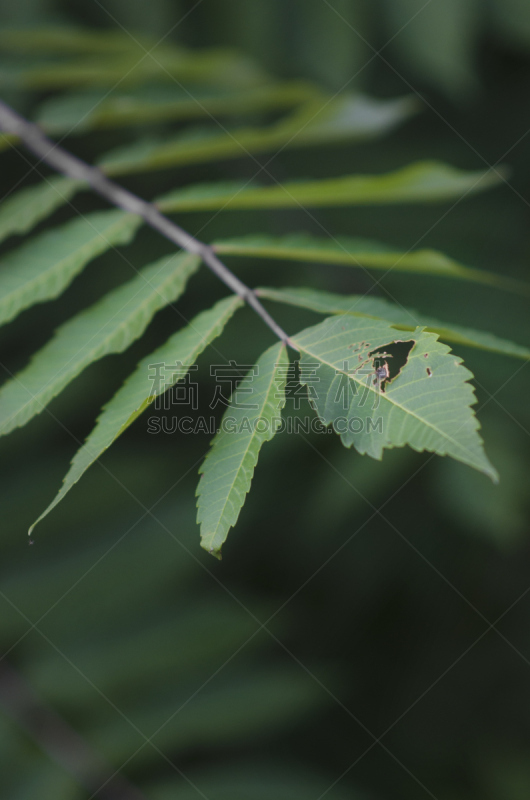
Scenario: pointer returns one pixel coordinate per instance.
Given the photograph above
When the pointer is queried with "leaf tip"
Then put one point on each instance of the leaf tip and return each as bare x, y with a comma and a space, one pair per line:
213, 551
494, 475
488, 469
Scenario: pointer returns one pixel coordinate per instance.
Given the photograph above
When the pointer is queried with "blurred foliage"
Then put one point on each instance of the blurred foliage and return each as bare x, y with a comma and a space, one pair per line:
384, 579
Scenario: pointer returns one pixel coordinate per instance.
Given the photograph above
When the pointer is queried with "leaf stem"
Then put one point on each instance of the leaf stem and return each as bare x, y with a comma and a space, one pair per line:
67, 164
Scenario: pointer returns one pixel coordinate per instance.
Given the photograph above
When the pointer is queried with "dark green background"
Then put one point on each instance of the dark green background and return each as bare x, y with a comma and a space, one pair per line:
385, 579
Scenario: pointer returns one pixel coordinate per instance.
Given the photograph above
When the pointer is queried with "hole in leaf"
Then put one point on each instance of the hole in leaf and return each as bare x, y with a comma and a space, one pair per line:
397, 354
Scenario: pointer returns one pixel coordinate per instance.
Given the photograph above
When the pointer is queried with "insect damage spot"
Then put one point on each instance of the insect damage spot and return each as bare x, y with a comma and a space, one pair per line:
429, 372
391, 358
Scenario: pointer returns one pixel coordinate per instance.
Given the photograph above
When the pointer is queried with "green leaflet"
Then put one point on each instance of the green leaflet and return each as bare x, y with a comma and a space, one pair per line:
427, 405
345, 117
405, 319
89, 110
109, 326
63, 39
110, 66
140, 389
362, 253
44, 266
20, 212
426, 181
228, 468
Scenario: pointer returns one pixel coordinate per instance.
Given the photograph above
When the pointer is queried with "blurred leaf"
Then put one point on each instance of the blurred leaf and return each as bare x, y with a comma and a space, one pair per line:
158, 21
231, 710
427, 405
228, 469
20, 212
133, 65
500, 513
45, 779
99, 70
404, 319
94, 561
109, 326
7, 140
168, 649
43, 267
259, 781
511, 18
81, 112
329, 40
331, 502
360, 253
504, 773
346, 117
141, 389
58, 40
427, 181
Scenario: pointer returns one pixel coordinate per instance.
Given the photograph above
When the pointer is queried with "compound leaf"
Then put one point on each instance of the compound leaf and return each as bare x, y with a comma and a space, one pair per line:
405, 319
109, 326
140, 389
228, 468
427, 405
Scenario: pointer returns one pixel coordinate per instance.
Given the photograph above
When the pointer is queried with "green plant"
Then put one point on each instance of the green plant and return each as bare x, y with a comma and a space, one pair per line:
385, 377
